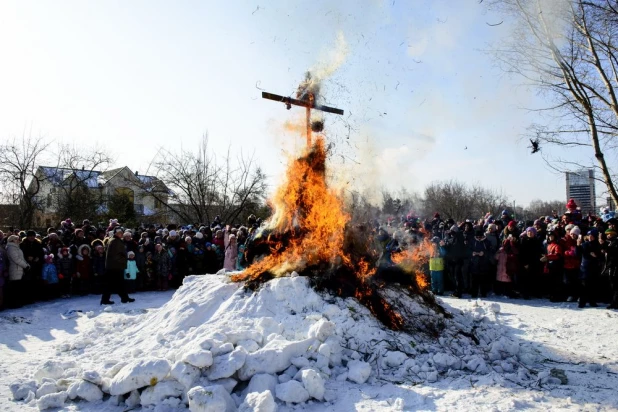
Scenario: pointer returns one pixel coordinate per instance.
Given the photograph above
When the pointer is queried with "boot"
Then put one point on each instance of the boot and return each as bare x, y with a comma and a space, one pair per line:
128, 300
107, 302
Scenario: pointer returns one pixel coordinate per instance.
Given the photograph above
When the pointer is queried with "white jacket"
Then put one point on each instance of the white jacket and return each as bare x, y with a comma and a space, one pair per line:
17, 263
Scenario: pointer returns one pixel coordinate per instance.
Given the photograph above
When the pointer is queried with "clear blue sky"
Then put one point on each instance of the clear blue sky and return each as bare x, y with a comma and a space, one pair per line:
138, 75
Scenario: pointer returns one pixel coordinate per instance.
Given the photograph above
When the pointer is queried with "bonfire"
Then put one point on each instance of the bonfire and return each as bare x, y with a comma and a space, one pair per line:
311, 234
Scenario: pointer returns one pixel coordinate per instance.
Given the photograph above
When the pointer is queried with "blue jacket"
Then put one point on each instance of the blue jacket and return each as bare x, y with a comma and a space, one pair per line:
50, 274
590, 265
131, 271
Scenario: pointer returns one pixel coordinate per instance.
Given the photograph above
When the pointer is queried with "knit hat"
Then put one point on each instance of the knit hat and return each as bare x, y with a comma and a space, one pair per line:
49, 258
173, 233
188, 239
575, 231
30, 233
454, 228
571, 204
531, 229
512, 224
435, 239
594, 232
611, 232
131, 254
492, 227
569, 227
199, 235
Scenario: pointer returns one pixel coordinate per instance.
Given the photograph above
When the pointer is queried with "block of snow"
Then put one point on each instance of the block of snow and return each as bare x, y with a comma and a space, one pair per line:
477, 364
46, 389
53, 400
249, 344
85, 390
262, 382
114, 368
236, 336
226, 365
291, 391
395, 358
92, 376
322, 329
228, 383
20, 389
301, 362
283, 378
133, 400
139, 373
185, 373
495, 308
358, 371
274, 357
153, 395
50, 369
313, 382
258, 402
198, 358
212, 398
445, 361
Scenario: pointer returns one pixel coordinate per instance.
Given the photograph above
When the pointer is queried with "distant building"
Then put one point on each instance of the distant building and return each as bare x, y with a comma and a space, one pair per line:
50, 183
580, 185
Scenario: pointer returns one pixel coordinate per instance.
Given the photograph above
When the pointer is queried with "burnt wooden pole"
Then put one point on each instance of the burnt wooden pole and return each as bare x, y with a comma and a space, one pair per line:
308, 104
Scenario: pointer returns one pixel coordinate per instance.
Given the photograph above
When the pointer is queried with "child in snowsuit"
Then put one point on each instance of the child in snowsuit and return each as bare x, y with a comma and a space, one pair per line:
436, 266
130, 273
64, 265
50, 278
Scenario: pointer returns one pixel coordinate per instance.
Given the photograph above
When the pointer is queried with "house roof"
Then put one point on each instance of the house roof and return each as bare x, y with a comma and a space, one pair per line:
95, 178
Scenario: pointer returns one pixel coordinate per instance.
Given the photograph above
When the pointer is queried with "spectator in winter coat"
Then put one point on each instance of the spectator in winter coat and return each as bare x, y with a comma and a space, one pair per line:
52, 243
231, 251
130, 273
530, 253
589, 269
507, 258
115, 264
610, 248
98, 269
436, 266
162, 269
510, 229
129, 244
481, 250
456, 252
66, 269
572, 263
34, 255
554, 267
140, 261
15, 290
82, 279
50, 278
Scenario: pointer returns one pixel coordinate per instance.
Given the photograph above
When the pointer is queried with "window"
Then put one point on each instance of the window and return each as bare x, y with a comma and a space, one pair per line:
125, 191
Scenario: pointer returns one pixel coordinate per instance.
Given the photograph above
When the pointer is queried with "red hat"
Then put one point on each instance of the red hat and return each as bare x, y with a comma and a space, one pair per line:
571, 204
436, 214
512, 223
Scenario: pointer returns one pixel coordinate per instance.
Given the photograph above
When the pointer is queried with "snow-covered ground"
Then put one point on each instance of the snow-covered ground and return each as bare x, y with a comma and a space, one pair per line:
212, 334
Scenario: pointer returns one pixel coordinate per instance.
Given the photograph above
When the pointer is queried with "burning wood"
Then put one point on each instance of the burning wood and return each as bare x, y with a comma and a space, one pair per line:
310, 233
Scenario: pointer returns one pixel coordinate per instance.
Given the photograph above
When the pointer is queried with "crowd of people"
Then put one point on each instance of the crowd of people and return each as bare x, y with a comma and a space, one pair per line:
563, 257
84, 259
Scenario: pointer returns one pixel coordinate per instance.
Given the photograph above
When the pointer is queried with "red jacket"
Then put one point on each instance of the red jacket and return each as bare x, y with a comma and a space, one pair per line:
554, 252
572, 260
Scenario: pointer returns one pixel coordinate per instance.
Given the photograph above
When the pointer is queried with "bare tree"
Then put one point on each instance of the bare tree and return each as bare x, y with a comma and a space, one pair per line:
453, 199
18, 162
205, 186
568, 49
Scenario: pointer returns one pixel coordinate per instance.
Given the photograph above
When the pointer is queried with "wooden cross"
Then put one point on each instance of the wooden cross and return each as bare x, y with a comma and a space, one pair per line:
308, 104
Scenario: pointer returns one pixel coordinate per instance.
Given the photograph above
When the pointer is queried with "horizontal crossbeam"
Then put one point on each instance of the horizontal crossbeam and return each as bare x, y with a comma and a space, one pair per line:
302, 103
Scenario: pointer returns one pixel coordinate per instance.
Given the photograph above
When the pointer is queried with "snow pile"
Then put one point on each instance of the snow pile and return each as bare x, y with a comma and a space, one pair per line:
216, 347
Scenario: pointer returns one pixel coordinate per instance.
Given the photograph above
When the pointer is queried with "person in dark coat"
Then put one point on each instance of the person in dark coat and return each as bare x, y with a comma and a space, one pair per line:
115, 264
455, 253
589, 269
34, 254
98, 269
530, 253
610, 248
479, 263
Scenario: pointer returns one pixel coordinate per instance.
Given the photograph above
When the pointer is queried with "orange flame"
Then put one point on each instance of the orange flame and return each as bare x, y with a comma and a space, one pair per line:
414, 261
311, 213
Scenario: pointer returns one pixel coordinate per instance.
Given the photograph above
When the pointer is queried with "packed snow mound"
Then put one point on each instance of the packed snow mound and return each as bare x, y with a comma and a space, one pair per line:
216, 346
